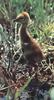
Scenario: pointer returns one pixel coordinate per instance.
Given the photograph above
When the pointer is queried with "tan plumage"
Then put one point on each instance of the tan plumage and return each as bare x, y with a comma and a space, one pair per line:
31, 48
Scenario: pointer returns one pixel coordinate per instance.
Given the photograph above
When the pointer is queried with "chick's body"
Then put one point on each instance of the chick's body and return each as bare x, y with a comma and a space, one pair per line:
31, 49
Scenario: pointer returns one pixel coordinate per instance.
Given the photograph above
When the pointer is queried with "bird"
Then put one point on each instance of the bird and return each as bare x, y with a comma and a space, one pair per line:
30, 47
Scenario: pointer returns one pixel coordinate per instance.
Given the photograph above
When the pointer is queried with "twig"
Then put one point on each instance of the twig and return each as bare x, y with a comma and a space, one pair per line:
11, 85
17, 82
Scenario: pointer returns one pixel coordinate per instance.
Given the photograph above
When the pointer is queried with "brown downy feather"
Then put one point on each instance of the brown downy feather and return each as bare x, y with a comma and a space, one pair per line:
31, 48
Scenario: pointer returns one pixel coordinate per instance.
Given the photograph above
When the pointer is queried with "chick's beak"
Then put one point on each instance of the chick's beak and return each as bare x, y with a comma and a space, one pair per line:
14, 20
18, 18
